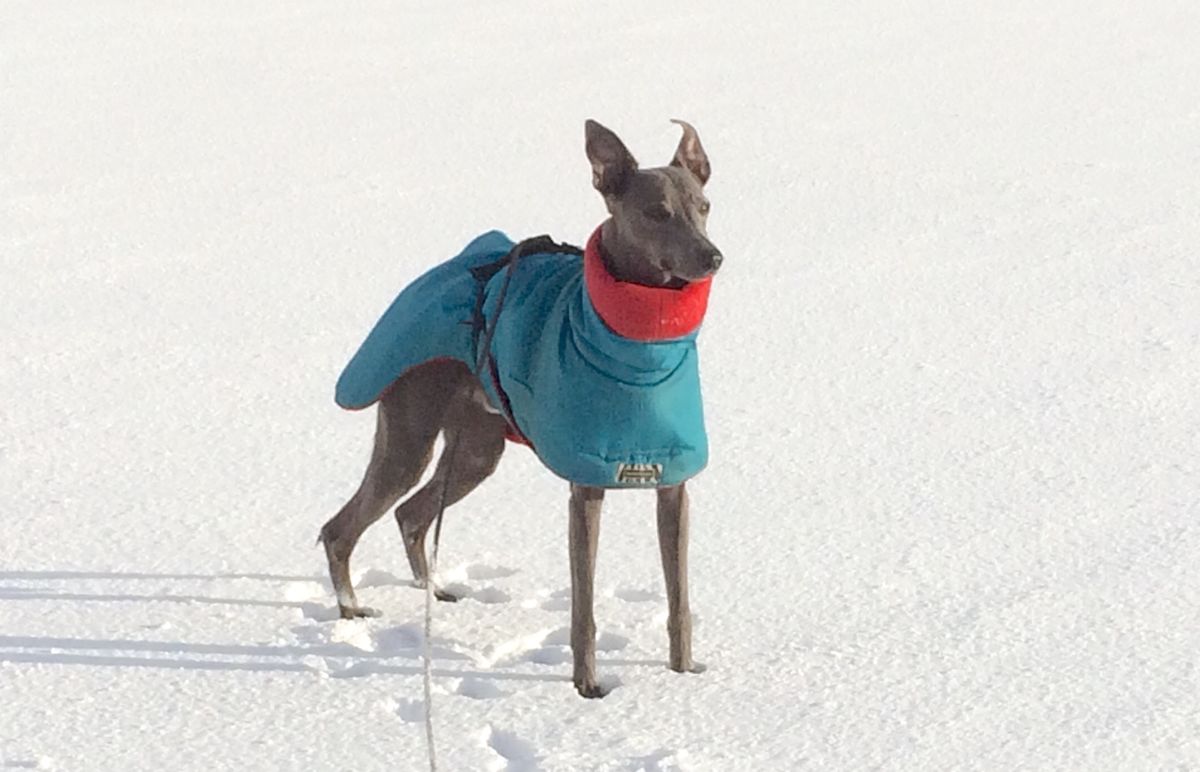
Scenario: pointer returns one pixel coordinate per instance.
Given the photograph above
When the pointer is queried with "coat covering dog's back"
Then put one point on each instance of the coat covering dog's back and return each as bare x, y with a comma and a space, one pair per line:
598, 408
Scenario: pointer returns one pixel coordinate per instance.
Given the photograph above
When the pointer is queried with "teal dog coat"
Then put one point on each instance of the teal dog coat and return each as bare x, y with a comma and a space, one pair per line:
600, 377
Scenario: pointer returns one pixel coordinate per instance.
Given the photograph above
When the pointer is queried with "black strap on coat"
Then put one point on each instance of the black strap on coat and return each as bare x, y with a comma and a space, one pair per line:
482, 333
484, 273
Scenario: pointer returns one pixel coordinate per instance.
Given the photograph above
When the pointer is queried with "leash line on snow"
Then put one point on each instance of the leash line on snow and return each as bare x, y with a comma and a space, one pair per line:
428, 656
483, 353
427, 653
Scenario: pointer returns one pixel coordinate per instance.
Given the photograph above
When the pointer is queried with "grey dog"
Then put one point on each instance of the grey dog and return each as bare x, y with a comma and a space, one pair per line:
655, 236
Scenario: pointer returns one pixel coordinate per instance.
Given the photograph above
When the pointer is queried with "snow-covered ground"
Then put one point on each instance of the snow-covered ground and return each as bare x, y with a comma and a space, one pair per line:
952, 519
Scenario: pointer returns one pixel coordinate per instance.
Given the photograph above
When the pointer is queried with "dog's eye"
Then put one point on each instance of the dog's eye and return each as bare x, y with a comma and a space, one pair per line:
704, 206
658, 212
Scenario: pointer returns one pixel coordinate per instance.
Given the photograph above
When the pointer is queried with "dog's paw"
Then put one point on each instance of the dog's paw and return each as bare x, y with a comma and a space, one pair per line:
358, 612
590, 689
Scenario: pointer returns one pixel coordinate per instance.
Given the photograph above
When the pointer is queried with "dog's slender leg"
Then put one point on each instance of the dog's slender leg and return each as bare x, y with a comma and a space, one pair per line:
387, 478
673, 543
409, 416
478, 436
583, 536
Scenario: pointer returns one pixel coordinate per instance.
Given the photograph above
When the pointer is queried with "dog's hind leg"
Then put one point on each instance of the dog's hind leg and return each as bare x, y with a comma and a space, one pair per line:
474, 442
409, 417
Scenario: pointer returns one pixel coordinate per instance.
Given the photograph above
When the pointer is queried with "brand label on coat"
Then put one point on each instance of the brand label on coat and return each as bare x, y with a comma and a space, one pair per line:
639, 474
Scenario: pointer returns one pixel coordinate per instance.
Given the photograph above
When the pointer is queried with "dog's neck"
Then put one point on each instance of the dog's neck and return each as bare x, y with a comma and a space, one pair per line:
637, 311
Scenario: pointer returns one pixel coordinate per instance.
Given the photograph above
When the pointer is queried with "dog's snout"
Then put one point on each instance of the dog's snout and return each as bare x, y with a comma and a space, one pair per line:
715, 260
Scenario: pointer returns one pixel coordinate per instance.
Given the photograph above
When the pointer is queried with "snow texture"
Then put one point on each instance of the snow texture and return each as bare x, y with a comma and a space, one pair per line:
951, 368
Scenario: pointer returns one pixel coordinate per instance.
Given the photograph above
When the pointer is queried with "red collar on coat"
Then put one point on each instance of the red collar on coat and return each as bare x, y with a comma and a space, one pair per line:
639, 312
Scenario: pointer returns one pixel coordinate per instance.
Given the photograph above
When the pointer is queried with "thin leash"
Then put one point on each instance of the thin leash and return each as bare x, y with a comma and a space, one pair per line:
427, 654
536, 245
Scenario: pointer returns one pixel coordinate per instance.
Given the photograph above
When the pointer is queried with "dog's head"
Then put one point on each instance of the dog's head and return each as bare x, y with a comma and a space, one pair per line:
656, 235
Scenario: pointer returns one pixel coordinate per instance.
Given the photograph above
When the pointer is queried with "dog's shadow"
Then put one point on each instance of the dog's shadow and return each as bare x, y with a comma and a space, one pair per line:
334, 659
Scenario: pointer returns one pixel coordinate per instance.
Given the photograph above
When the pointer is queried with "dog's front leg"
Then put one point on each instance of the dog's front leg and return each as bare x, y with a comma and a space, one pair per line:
583, 536
673, 543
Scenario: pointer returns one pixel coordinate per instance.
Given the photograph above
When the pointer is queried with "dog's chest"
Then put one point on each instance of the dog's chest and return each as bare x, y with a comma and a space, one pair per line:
597, 408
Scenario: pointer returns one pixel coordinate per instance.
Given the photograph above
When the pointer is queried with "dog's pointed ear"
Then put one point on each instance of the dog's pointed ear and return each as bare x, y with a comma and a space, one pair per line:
690, 154
612, 163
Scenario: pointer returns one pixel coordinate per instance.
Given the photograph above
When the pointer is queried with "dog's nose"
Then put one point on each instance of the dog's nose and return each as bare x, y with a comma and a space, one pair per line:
715, 260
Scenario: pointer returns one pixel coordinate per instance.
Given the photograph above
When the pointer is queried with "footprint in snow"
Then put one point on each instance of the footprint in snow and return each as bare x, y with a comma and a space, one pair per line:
549, 655
478, 571
661, 760
319, 612
636, 595
479, 689
556, 604
401, 639
555, 648
605, 641
490, 595
559, 600
456, 582
408, 710
42, 762
376, 577
514, 753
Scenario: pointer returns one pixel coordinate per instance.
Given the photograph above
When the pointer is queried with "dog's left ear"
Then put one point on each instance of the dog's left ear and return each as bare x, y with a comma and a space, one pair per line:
690, 154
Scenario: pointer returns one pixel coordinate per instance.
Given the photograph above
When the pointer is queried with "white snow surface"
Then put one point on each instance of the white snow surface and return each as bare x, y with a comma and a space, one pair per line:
951, 367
